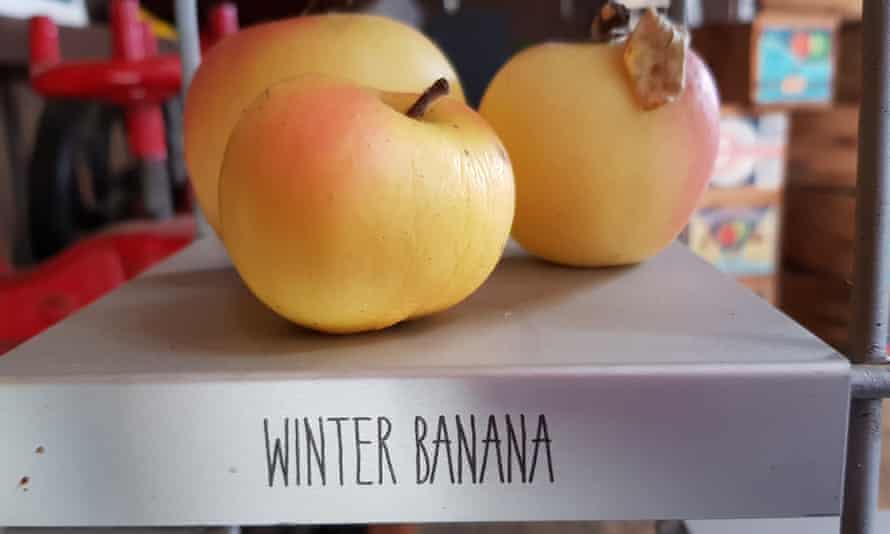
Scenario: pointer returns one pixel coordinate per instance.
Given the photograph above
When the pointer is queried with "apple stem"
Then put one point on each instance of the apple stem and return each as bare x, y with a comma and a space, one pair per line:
611, 24
439, 89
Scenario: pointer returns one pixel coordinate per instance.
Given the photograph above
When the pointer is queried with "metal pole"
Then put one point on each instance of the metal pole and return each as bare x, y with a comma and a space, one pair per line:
870, 381
190, 57
189, 45
871, 289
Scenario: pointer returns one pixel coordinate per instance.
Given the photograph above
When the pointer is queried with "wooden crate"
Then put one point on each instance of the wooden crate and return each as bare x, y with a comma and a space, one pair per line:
820, 197
726, 50
763, 286
819, 303
845, 8
819, 231
819, 221
848, 85
822, 149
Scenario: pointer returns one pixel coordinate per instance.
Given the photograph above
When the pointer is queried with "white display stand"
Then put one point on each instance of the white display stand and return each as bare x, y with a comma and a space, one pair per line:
656, 391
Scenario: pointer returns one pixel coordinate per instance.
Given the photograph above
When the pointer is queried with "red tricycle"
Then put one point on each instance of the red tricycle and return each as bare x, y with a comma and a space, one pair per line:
93, 227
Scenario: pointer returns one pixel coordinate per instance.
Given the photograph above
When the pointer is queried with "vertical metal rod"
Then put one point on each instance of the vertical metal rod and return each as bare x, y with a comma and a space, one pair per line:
871, 288
190, 57
189, 45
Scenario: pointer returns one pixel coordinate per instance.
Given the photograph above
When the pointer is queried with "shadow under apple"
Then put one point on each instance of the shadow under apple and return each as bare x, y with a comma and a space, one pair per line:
213, 318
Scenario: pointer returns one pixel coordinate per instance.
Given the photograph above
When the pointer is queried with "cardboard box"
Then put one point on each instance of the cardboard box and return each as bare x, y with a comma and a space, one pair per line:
782, 60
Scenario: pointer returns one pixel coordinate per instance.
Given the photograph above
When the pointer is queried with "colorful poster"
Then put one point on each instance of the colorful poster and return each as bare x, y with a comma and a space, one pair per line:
794, 65
738, 241
751, 151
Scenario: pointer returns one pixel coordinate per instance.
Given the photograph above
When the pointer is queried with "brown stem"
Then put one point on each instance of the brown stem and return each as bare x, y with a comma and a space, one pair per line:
611, 23
439, 89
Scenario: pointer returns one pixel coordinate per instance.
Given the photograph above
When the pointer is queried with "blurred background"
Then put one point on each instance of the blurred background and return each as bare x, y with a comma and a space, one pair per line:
77, 218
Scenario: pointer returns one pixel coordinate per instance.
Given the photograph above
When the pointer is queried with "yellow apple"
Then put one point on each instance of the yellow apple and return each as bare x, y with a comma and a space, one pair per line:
608, 169
371, 50
347, 209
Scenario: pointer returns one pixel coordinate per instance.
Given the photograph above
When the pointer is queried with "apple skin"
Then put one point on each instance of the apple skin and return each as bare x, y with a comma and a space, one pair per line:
599, 180
344, 215
371, 50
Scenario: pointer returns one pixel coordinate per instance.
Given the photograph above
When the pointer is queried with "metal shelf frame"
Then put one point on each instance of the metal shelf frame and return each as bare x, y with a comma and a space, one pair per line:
872, 285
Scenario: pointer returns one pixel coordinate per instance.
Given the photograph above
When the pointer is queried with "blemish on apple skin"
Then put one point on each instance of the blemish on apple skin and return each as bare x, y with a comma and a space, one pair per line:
24, 481
455, 126
39, 450
466, 152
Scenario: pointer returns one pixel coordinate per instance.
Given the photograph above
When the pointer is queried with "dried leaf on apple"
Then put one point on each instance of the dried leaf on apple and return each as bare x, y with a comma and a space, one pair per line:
655, 59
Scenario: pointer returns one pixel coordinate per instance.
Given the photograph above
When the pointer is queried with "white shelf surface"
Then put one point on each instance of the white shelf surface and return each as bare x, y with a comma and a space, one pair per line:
668, 391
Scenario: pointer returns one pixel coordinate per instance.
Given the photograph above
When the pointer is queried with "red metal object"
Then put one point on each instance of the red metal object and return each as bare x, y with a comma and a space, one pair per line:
125, 79
122, 82
43, 42
135, 77
223, 21
140, 79
127, 39
134, 74
131, 78
145, 132
34, 300
149, 41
